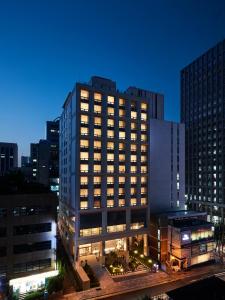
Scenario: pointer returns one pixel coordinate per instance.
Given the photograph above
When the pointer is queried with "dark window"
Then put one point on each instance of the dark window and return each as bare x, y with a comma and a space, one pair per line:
2, 251
24, 248
32, 228
32, 266
2, 231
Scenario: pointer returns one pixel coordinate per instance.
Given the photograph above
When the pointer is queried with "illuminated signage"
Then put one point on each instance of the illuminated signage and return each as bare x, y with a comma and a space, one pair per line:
185, 237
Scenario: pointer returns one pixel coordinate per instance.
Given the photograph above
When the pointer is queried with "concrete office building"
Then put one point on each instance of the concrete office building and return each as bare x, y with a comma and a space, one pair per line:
27, 237
202, 111
104, 167
52, 136
25, 161
167, 170
39, 158
8, 157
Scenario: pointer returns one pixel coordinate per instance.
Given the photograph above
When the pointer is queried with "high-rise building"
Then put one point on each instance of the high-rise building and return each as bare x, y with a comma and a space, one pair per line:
202, 111
25, 161
52, 136
167, 166
39, 158
105, 141
8, 157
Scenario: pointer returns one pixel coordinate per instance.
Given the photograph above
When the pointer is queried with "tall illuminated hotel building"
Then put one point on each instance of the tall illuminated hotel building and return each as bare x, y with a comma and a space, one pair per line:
105, 166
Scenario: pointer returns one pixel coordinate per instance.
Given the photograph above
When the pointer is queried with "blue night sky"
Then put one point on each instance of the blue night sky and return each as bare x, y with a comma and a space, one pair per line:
48, 45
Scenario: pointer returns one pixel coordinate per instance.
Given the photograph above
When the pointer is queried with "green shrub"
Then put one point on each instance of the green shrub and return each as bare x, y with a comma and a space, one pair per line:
54, 284
34, 295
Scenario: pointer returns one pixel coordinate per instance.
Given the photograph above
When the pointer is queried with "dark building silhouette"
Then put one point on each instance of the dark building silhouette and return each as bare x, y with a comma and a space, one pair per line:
8, 157
25, 161
203, 112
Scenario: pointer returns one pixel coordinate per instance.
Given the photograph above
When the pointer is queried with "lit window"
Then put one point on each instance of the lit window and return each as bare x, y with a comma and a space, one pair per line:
84, 168
143, 158
143, 190
122, 135
97, 192
110, 111
110, 169
143, 126
84, 106
90, 231
143, 179
97, 109
121, 146
97, 180
133, 114
97, 156
144, 137
110, 145
97, 132
97, 204
110, 133
133, 136
97, 97
110, 99
110, 203
133, 180
83, 204
143, 201
110, 180
133, 201
84, 155
84, 131
84, 119
110, 192
84, 94
143, 148
143, 169
122, 169
97, 168
121, 112
121, 157
121, 102
98, 121
132, 191
133, 147
133, 125
121, 180
143, 106
97, 144
122, 124
110, 123
144, 116
121, 202
116, 228
136, 226
110, 157
84, 143
83, 192
133, 169
84, 180
133, 158
121, 191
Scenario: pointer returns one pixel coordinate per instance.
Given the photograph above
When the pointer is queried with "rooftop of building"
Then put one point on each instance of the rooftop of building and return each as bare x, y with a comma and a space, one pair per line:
8, 144
187, 223
15, 183
179, 214
212, 288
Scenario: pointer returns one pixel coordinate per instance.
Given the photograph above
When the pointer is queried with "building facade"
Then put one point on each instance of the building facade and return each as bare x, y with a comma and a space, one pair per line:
39, 158
52, 136
202, 111
104, 167
27, 238
8, 157
167, 166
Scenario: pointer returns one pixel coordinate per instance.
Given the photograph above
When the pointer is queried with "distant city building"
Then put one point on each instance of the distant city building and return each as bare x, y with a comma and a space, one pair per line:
8, 157
105, 167
25, 161
202, 111
39, 156
181, 239
52, 136
167, 166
